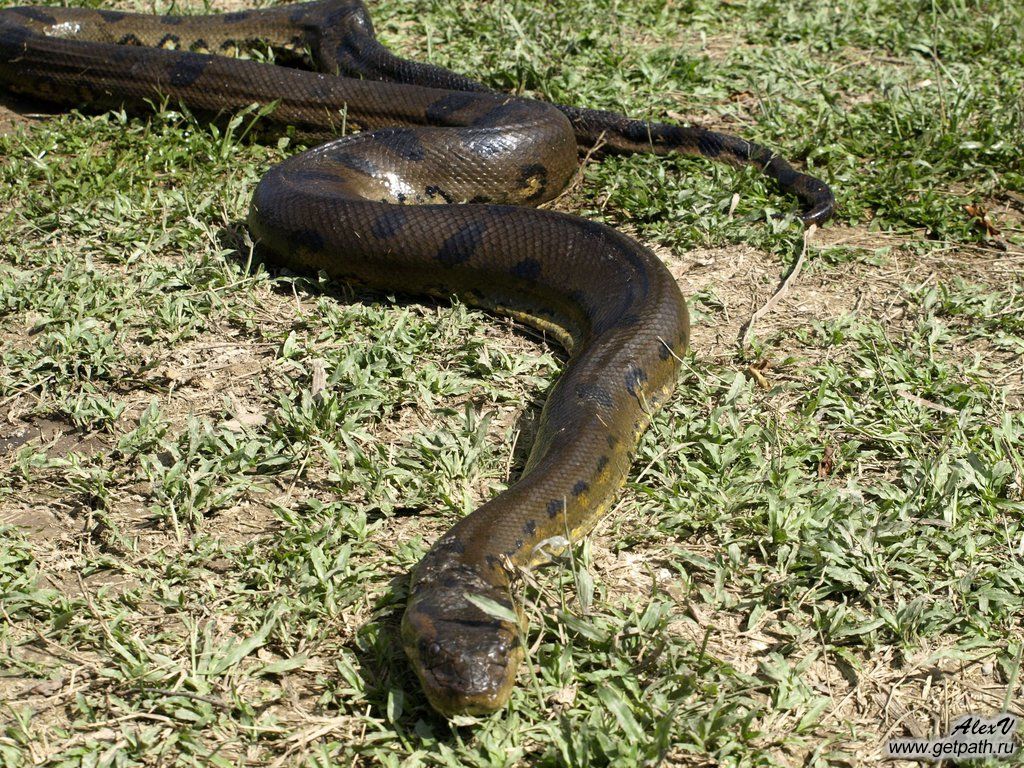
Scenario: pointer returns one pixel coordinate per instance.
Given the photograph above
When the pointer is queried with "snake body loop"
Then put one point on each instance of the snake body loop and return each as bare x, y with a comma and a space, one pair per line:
376, 208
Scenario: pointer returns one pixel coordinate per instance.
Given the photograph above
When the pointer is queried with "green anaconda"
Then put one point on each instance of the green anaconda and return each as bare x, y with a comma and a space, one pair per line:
428, 198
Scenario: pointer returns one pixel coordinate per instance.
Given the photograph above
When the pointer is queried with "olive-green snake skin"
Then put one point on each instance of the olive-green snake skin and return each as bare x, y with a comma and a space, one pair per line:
376, 208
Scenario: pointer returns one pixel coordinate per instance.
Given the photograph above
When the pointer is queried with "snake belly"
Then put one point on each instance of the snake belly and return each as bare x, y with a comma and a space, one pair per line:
378, 208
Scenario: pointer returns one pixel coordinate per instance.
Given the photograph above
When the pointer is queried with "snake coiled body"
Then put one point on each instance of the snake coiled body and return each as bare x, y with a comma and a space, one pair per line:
378, 208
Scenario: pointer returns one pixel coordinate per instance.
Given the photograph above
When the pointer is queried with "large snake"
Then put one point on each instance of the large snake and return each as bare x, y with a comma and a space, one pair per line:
376, 208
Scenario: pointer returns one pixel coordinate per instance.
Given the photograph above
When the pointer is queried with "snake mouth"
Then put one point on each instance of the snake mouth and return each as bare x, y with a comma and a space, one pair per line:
467, 684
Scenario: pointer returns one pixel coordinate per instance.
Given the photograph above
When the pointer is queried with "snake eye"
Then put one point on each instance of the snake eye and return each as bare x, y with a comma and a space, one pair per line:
434, 649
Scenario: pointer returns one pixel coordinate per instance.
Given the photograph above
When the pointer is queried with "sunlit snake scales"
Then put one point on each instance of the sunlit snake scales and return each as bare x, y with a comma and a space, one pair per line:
378, 208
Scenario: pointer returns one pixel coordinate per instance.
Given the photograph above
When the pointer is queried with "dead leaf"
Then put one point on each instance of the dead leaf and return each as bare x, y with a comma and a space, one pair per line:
827, 463
756, 372
925, 403
563, 698
977, 212
47, 687
319, 378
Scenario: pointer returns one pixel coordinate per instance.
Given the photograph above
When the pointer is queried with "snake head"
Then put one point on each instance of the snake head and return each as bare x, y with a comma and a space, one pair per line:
466, 659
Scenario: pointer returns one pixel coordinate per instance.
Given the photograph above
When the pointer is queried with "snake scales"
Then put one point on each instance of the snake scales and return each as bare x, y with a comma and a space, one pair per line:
375, 208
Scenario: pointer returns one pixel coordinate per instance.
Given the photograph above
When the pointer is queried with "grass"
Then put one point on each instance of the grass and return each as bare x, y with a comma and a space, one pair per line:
216, 477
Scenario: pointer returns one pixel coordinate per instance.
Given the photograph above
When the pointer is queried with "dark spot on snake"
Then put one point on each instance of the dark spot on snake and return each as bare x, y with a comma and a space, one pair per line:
403, 142
517, 546
580, 487
234, 18
628, 320
529, 527
188, 69
664, 353
174, 41
308, 239
199, 45
12, 42
602, 462
534, 176
612, 441
594, 393
129, 39
171, 20
441, 110
113, 16
460, 246
634, 376
508, 112
433, 190
531, 170
527, 269
480, 199
36, 15
389, 223
492, 561
555, 507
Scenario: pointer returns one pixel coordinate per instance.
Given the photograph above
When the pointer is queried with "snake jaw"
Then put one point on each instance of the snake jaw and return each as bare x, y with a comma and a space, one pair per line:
466, 660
